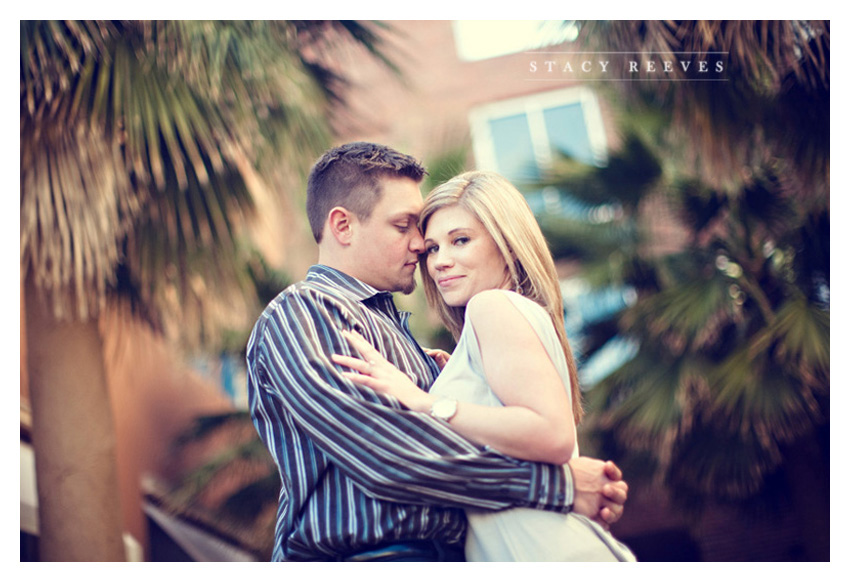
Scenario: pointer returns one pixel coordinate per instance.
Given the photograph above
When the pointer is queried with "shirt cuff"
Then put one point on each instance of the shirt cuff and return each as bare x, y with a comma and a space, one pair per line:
552, 488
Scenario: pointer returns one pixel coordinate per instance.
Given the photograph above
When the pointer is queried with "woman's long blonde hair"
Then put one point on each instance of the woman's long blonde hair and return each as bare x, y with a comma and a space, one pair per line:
505, 214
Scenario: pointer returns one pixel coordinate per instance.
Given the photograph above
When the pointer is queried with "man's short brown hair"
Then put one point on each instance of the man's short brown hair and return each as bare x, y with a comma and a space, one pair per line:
349, 175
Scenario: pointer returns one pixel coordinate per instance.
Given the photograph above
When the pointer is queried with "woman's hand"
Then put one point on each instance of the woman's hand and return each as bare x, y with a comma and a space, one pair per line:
439, 356
375, 372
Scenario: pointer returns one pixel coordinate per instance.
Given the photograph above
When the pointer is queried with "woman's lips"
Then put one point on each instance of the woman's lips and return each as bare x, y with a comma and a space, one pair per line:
446, 281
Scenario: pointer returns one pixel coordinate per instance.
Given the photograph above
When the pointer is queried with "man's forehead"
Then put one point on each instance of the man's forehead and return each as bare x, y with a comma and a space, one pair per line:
401, 197
411, 213
398, 183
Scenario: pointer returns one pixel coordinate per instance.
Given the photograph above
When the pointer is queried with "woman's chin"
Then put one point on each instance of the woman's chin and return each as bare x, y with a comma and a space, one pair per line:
451, 301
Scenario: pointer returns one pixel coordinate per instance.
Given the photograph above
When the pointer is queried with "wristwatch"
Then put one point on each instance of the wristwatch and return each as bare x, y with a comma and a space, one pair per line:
444, 409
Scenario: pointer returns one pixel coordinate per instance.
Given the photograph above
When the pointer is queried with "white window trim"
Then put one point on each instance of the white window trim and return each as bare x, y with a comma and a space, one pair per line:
533, 106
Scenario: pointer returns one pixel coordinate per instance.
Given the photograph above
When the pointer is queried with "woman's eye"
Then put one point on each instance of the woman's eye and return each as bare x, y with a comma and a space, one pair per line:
402, 227
461, 240
431, 250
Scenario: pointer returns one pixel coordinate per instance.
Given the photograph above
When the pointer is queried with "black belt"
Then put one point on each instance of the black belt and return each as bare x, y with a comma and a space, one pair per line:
409, 551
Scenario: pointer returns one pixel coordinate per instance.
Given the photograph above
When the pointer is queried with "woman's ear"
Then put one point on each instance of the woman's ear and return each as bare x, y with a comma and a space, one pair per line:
341, 224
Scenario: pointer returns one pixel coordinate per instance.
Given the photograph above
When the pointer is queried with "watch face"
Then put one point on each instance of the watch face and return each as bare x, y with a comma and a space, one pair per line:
445, 409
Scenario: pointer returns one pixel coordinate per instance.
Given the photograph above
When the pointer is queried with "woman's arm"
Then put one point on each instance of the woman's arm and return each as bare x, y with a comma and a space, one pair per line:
536, 422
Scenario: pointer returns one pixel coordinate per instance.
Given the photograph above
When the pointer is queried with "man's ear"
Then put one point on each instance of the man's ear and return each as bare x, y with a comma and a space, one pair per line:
341, 224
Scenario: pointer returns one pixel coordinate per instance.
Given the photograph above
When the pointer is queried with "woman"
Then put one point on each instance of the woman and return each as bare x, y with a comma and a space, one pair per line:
511, 382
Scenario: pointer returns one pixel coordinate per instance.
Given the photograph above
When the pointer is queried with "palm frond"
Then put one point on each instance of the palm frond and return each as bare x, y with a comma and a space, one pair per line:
77, 203
801, 331
241, 462
569, 237
237, 483
249, 502
629, 175
698, 206
138, 143
778, 78
651, 403
713, 464
684, 317
208, 425
644, 400
752, 394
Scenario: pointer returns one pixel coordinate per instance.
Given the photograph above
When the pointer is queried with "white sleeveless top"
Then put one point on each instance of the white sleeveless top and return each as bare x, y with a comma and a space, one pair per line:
521, 534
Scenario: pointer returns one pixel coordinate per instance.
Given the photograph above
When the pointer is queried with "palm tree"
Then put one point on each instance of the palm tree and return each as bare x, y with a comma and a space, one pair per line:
138, 142
741, 307
732, 327
732, 321
775, 101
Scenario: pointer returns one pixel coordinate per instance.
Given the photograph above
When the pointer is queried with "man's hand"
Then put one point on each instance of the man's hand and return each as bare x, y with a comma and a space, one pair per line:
441, 357
600, 492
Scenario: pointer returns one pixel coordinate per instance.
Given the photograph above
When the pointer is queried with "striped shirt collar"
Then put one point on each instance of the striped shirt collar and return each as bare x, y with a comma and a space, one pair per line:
356, 288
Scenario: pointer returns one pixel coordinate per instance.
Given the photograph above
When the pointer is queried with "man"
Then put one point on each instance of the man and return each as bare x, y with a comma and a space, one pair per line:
362, 477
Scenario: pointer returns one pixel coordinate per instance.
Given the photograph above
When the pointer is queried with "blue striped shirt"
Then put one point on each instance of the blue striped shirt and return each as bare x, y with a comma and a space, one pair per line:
357, 468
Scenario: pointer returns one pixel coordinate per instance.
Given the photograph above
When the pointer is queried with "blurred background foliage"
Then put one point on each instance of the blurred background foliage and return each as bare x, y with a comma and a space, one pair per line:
732, 322
732, 328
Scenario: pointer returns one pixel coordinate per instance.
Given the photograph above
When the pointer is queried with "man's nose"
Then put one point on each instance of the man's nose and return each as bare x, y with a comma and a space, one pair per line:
417, 243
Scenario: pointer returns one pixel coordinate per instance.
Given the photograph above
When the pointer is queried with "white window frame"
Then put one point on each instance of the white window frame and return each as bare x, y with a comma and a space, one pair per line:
533, 106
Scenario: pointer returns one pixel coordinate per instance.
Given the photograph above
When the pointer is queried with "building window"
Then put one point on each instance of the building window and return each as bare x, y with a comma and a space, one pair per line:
519, 139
